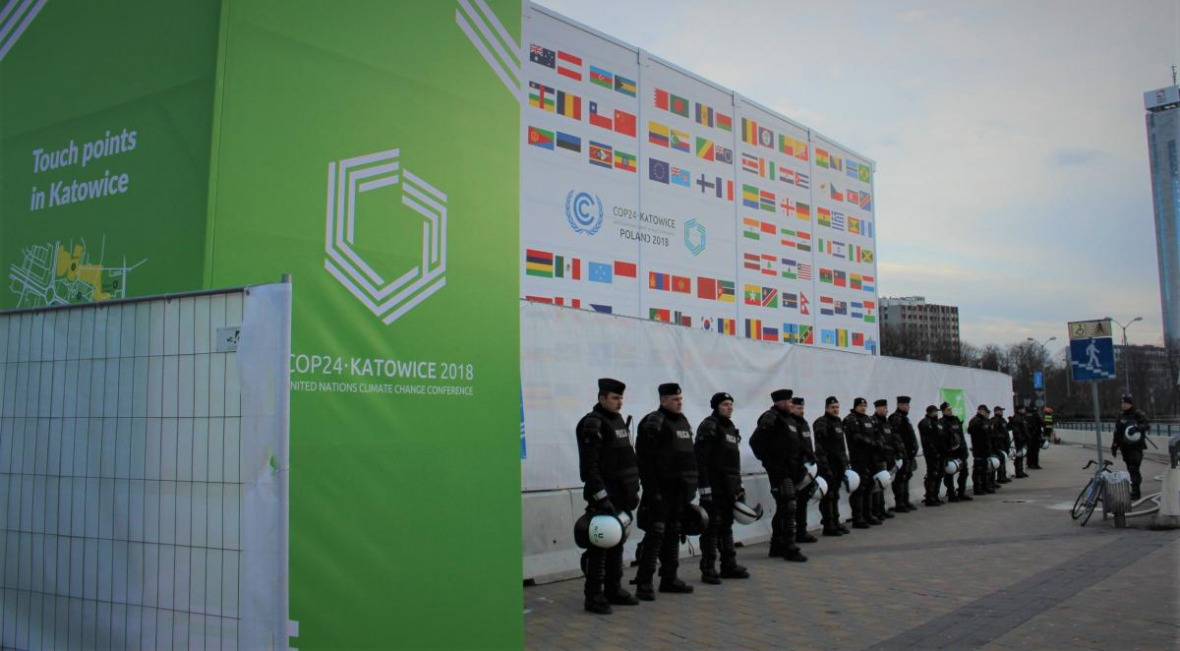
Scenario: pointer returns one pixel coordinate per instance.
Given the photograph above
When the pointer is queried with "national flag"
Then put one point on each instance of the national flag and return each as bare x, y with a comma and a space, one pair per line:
841, 337
663, 316
727, 326
542, 96
602, 309
841, 308
601, 155
682, 319
796, 239
790, 333
854, 225
598, 119
821, 158
682, 284
680, 176
769, 297
827, 305
802, 211
868, 284
626, 269
864, 255
541, 138
624, 123
753, 328
659, 281
704, 148
542, 56
823, 217
838, 221
765, 137
538, 263
599, 272
853, 197
766, 198
680, 141
569, 105
567, 268
657, 170
601, 77
786, 175
825, 275
715, 185
866, 201
724, 122
865, 174
704, 115
839, 278
753, 295
678, 105
768, 261
749, 131
726, 291
790, 301
827, 337
569, 141
802, 180
661, 99
870, 307
722, 154
752, 261
625, 86
569, 65
707, 288
787, 205
790, 268
856, 309
852, 170
804, 274
858, 339
751, 229
837, 163
624, 161
658, 134
854, 281
769, 333
751, 164
750, 196
836, 194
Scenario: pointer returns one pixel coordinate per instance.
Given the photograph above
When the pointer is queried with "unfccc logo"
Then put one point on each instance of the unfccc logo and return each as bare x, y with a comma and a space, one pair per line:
388, 299
584, 212
694, 236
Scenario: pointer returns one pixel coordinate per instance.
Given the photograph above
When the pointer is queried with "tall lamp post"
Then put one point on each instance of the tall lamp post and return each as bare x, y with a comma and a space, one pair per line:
1045, 351
1126, 362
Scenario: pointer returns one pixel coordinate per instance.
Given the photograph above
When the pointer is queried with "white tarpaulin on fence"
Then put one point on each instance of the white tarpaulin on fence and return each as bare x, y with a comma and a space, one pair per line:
564, 351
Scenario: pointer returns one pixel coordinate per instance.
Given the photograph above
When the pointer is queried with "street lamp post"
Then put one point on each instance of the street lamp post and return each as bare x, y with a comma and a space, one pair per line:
1045, 351
1126, 361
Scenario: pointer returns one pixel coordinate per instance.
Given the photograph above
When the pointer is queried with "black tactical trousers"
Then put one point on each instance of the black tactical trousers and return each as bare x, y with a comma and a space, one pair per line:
861, 500
1034, 451
934, 472
604, 569
782, 525
718, 536
1133, 459
660, 520
829, 506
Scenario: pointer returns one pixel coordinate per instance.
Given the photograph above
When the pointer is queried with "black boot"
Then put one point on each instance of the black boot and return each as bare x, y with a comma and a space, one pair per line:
597, 604
832, 531
964, 497
620, 597
734, 571
805, 538
674, 585
795, 556
711, 577
645, 592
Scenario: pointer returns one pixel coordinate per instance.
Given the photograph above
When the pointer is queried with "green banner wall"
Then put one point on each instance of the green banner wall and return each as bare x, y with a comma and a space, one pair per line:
370, 150
105, 118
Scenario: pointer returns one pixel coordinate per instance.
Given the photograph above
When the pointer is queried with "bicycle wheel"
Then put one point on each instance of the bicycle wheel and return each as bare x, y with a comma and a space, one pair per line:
1079, 505
1091, 502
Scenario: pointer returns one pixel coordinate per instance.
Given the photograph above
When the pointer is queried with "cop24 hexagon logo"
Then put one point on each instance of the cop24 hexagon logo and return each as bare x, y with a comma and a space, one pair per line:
584, 212
694, 236
389, 296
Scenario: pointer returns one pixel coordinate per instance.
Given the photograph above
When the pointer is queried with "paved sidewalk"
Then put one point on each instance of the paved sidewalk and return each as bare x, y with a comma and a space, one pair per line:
1010, 570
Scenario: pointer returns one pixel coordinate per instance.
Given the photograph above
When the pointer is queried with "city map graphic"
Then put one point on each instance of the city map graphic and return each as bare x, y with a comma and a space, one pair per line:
59, 273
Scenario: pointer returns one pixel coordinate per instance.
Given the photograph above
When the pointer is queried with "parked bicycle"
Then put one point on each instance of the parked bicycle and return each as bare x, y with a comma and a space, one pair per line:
1099, 490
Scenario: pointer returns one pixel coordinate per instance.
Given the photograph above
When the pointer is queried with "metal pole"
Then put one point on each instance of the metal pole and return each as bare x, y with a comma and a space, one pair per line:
1126, 361
1097, 422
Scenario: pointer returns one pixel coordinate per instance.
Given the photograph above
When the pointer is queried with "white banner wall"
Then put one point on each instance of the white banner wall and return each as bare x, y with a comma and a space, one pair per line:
564, 351
649, 192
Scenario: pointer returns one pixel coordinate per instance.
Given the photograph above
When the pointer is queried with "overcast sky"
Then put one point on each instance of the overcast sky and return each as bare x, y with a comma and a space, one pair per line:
1012, 171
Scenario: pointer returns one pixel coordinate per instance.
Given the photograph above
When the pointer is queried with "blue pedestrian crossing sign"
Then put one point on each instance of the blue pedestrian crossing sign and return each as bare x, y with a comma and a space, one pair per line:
1091, 359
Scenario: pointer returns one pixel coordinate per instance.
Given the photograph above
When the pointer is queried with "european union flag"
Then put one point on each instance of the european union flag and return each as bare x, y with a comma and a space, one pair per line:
657, 170
601, 273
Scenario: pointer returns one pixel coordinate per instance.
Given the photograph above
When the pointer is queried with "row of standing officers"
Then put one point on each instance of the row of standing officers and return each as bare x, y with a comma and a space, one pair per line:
672, 466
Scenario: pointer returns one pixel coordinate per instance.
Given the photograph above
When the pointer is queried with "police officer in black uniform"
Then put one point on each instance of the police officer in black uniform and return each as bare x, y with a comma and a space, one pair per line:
1132, 424
607, 466
829, 439
887, 455
719, 467
863, 453
935, 453
907, 444
810, 455
956, 446
668, 471
1036, 429
980, 430
780, 449
1017, 423
1001, 443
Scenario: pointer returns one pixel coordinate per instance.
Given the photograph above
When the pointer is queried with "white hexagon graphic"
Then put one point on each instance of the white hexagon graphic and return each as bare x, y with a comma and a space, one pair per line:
388, 299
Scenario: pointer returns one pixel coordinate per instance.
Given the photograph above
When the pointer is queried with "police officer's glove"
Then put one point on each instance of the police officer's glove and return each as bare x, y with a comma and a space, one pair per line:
741, 495
604, 505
